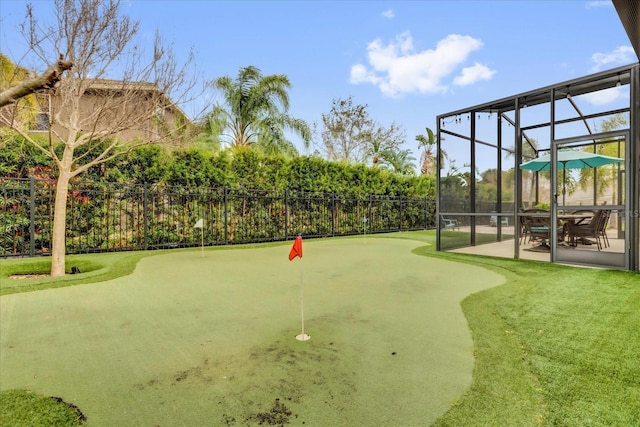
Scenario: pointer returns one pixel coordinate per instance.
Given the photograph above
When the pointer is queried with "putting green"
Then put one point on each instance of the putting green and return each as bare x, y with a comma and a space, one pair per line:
208, 339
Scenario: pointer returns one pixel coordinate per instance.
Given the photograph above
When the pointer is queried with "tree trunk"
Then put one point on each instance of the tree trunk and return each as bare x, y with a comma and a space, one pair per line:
58, 248
427, 164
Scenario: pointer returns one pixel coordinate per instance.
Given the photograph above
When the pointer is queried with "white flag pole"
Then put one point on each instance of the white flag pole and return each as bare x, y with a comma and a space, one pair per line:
200, 224
302, 300
364, 227
302, 336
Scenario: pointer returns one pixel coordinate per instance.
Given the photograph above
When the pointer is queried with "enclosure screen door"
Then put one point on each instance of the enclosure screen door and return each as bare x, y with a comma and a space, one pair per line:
590, 201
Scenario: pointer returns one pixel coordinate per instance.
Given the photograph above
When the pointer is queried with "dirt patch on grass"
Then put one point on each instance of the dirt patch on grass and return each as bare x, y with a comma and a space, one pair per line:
277, 416
29, 276
81, 417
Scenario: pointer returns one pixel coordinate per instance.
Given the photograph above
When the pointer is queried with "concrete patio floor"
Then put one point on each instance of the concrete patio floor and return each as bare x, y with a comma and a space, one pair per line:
505, 249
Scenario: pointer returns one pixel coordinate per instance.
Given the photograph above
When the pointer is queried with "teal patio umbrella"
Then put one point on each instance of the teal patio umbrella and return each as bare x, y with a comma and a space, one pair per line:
569, 159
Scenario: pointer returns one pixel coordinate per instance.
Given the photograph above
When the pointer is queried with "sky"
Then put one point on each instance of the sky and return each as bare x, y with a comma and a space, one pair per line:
407, 61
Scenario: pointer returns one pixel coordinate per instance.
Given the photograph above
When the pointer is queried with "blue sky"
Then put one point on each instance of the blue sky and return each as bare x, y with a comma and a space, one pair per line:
408, 61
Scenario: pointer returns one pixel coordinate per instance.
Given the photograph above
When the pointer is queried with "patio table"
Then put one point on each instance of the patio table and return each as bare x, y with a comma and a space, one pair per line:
573, 218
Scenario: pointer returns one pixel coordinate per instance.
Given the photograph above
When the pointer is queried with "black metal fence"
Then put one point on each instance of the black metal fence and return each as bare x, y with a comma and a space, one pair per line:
109, 217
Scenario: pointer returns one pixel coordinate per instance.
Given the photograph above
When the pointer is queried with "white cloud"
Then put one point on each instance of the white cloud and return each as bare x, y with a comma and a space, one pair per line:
360, 74
398, 68
599, 3
621, 55
388, 14
470, 75
604, 97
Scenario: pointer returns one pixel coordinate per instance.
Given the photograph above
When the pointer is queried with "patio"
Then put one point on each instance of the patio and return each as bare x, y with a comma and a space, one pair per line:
505, 248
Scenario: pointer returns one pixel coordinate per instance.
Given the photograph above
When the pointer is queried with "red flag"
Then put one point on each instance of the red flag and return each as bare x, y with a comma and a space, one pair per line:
296, 249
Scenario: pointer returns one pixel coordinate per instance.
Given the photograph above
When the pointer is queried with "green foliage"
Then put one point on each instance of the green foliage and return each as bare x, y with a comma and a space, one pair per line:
21, 159
606, 176
152, 197
240, 168
487, 190
26, 109
147, 163
401, 161
24, 407
191, 168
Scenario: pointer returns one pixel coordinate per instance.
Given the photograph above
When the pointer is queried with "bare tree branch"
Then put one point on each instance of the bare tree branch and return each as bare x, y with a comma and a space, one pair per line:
46, 80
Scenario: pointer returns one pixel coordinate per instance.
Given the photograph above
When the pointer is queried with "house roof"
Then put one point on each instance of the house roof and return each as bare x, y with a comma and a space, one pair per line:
110, 84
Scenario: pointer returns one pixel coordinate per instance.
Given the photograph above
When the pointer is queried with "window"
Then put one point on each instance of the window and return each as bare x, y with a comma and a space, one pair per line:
42, 120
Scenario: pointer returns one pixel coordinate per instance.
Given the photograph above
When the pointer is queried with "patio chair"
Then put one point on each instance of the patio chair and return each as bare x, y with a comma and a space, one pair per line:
532, 227
593, 229
603, 228
539, 228
493, 221
449, 224
539, 232
524, 230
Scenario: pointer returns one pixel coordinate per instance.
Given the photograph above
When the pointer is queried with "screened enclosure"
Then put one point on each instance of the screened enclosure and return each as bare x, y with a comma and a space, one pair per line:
551, 174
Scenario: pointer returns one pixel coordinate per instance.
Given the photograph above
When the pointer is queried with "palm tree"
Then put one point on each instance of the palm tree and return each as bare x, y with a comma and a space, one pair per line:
426, 143
381, 141
255, 111
376, 152
400, 161
607, 176
206, 136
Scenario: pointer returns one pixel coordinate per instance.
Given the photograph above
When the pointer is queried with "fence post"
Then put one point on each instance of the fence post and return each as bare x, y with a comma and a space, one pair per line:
226, 216
333, 214
286, 214
32, 216
400, 198
369, 219
426, 212
145, 214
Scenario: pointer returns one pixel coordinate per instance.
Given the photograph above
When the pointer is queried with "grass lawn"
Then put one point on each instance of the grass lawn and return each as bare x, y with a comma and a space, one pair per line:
566, 337
459, 239
186, 340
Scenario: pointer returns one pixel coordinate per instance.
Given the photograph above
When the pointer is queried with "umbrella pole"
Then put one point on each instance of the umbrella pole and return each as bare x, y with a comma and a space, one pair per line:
564, 185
